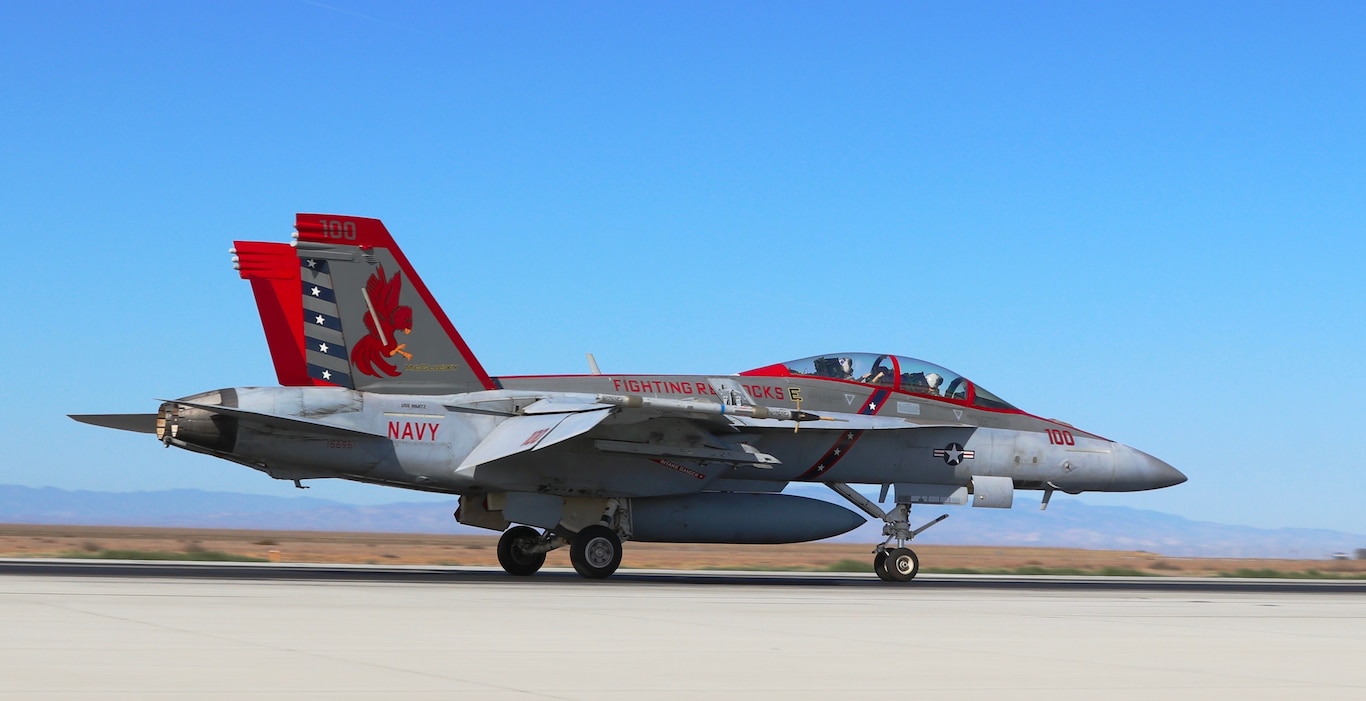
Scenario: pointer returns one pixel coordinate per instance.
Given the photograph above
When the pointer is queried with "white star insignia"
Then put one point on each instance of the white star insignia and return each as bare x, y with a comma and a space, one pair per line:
316, 291
838, 451
820, 468
322, 347
319, 319
312, 263
327, 374
849, 435
872, 406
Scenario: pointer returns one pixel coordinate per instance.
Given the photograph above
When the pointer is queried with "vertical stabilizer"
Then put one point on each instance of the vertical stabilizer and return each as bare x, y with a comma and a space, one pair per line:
273, 270
367, 321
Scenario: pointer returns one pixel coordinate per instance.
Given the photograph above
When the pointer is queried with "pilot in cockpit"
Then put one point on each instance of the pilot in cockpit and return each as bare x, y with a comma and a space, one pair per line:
922, 383
879, 375
838, 368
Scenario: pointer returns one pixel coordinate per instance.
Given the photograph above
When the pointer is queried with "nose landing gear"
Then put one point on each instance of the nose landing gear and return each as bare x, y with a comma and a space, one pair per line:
898, 564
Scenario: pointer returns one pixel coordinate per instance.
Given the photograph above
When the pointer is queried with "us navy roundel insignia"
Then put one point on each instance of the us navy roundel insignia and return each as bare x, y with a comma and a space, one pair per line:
954, 454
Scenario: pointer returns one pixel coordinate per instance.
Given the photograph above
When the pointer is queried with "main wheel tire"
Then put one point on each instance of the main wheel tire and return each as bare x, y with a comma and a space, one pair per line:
902, 564
512, 551
596, 552
880, 567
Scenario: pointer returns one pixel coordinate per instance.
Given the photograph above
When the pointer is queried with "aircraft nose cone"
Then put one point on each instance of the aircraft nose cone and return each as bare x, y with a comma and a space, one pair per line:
1136, 470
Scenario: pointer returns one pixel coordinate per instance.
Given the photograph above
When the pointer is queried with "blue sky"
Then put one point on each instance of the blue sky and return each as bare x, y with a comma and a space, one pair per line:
1145, 219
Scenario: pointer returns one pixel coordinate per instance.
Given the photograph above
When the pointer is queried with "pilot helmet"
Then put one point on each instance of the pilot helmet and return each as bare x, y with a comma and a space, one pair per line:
933, 379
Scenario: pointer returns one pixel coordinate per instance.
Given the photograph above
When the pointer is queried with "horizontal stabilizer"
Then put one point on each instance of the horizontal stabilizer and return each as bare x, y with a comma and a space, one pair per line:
138, 423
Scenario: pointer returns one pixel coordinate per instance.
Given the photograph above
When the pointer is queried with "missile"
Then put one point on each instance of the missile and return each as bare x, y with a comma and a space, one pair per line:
693, 406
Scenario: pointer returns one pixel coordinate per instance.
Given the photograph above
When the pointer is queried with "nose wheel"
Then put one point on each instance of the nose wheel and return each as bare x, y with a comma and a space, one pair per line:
898, 564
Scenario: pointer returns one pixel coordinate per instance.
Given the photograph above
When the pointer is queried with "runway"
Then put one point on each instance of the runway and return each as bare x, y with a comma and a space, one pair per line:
71, 630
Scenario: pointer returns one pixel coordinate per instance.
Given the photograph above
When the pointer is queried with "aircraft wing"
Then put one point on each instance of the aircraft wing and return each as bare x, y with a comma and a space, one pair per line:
555, 419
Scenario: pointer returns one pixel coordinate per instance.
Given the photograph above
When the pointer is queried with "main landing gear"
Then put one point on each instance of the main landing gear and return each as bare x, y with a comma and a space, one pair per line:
521, 551
898, 564
595, 550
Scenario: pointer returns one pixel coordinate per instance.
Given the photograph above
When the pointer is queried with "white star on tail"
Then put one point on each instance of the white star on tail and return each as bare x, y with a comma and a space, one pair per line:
322, 347
315, 291
327, 374
319, 320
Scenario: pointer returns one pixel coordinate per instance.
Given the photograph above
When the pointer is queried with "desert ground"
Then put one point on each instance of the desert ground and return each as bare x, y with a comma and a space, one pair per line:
423, 549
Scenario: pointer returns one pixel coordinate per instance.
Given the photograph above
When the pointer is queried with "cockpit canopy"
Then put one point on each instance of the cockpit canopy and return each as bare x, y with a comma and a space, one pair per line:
891, 371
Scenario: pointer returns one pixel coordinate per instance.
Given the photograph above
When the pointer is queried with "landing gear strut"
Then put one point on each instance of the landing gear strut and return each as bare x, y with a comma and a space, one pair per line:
898, 564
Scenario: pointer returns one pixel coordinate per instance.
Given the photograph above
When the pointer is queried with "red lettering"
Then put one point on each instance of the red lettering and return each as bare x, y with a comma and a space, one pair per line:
674, 387
685, 388
779, 391
632, 386
538, 435
409, 431
616, 384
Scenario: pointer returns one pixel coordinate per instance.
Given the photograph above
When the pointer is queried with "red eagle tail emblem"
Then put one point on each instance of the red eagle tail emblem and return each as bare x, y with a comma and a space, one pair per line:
384, 319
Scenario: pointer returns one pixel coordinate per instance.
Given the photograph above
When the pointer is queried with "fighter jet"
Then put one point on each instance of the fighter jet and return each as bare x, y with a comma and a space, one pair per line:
378, 386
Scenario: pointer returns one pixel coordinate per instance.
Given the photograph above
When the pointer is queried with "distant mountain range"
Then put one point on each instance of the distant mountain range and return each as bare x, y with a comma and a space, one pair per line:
1068, 523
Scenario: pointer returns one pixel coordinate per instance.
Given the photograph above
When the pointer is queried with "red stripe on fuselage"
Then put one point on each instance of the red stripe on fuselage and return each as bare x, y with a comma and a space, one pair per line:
847, 439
